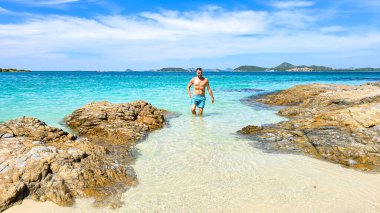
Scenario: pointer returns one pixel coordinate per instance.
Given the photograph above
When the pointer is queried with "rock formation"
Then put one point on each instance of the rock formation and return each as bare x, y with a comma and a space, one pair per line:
47, 163
115, 123
337, 123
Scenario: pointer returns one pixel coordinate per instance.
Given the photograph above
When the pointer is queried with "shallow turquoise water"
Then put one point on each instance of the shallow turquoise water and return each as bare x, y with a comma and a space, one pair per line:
200, 164
50, 96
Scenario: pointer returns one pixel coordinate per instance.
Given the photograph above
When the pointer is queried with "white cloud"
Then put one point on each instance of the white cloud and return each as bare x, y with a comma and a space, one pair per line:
291, 4
3, 10
171, 35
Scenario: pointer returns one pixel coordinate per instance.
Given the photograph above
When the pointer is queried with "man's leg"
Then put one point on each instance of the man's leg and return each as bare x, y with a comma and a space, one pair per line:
201, 104
193, 109
200, 111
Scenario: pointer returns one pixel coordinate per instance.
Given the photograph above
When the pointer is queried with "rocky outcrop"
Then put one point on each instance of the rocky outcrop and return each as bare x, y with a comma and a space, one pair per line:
338, 123
116, 123
47, 163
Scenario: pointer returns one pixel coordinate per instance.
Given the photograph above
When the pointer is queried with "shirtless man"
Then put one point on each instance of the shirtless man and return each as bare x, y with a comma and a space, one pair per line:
198, 99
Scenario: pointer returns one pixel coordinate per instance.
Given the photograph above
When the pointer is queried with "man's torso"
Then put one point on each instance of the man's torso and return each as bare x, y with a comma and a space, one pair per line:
199, 86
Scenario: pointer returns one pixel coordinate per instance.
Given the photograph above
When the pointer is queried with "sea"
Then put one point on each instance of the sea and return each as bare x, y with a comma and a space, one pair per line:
200, 164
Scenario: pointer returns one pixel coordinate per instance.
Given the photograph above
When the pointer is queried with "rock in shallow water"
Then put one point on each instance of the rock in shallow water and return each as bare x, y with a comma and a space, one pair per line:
116, 123
47, 163
333, 122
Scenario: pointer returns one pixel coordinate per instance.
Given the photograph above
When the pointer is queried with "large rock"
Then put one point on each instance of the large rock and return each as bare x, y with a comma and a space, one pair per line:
47, 163
338, 123
116, 123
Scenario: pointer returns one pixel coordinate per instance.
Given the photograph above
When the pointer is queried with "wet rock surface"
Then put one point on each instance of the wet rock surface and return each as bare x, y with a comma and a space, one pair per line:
46, 163
338, 123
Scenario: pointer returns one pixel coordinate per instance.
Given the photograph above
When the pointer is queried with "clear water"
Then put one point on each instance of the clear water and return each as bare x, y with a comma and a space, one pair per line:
200, 164
52, 95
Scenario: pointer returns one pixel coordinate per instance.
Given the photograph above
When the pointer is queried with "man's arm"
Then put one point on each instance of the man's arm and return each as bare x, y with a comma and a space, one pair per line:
210, 91
188, 87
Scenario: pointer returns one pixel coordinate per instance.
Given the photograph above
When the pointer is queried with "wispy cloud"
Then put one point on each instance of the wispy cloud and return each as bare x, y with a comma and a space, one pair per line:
3, 10
292, 4
173, 35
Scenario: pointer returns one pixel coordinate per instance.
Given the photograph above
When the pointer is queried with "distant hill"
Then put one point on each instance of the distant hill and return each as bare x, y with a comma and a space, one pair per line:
251, 68
12, 70
284, 66
302, 68
172, 69
288, 67
321, 68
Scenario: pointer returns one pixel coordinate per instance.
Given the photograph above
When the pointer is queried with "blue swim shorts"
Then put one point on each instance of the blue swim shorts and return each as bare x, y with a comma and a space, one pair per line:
198, 100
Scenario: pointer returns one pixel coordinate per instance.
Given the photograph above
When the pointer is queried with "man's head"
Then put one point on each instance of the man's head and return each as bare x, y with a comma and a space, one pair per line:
199, 72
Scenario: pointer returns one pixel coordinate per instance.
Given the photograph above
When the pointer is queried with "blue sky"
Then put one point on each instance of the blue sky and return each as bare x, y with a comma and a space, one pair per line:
149, 34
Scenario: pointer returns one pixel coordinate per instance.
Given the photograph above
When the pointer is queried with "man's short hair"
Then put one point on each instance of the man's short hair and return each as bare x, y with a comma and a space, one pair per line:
200, 69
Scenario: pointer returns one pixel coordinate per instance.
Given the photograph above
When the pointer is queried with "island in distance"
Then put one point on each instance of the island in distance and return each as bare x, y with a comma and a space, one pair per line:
283, 67
287, 67
179, 69
173, 69
13, 70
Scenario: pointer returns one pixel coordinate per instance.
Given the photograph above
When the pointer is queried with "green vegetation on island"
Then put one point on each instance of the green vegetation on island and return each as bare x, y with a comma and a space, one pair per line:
284, 66
172, 69
12, 70
302, 68
287, 67
251, 68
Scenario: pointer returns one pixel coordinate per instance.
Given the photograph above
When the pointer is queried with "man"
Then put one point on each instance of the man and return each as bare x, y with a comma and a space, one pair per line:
198, 99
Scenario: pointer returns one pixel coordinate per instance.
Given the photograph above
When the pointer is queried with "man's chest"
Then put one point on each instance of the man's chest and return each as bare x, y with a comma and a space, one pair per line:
199, 82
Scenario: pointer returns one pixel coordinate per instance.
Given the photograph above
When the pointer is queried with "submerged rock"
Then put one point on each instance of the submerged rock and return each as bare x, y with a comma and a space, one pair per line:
338, 123
47, 163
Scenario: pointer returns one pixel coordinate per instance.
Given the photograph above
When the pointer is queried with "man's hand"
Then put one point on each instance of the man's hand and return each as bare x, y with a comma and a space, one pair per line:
212, 100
